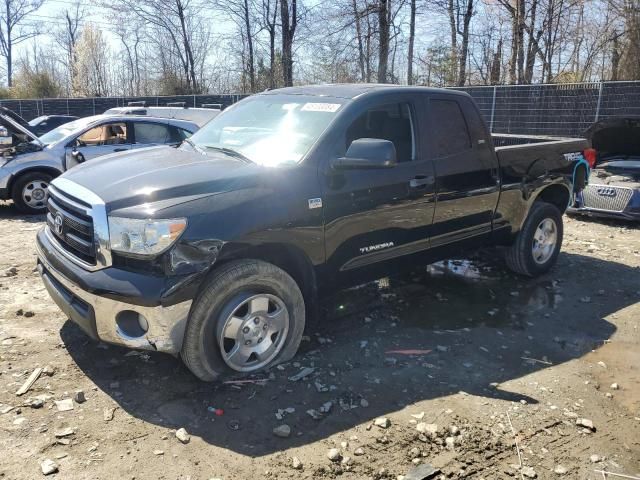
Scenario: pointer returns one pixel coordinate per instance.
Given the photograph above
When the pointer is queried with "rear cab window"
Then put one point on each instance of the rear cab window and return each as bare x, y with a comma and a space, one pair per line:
448, 130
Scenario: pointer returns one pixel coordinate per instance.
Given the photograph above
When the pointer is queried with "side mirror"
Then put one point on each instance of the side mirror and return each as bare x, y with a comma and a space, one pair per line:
77, 155
367, 153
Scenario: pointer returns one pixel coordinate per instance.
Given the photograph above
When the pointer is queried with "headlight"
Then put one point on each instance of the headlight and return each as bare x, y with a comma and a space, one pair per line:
144, 237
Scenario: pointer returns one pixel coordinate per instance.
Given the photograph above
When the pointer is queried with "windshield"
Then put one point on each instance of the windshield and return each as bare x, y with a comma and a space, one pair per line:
65, 130
269, 130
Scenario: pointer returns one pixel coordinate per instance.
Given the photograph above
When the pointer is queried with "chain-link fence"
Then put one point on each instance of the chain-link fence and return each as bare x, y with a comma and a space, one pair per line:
564, 109
83, 107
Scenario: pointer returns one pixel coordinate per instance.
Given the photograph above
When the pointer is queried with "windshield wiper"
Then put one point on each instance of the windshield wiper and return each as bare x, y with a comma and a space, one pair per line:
230, 151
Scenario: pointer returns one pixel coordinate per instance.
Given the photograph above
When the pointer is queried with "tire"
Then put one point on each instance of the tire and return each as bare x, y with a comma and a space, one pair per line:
528, 256
29, 192
243, 301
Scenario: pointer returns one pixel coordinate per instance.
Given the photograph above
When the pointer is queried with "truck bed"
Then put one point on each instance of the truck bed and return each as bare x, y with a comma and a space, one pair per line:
533, 155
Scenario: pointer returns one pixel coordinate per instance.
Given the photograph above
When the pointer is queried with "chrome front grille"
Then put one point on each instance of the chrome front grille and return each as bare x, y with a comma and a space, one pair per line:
70, 222
77, 224
606, 197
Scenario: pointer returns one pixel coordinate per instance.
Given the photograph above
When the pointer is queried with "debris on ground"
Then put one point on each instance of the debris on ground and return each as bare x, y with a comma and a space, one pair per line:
334, 454
282, 431
26, 386
48, 467
424, 471
382, 422
305, 372
108, 413
79, 397
586, 423
183, 436
64, 405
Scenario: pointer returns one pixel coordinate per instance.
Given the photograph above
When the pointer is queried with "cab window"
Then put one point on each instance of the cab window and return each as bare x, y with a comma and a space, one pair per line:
146, 132
449, 131
177, 135
107, 134
393, 122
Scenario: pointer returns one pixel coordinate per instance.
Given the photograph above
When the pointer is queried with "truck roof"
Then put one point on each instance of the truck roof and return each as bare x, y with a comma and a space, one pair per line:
354, 90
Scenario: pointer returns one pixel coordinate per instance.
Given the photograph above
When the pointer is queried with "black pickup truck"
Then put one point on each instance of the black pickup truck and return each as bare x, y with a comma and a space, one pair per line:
220, 249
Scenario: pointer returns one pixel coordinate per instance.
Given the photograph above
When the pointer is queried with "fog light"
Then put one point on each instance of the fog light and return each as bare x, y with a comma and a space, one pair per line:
131, 324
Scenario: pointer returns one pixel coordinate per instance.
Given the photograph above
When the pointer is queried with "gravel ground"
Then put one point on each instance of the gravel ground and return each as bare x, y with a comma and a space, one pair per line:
459, 367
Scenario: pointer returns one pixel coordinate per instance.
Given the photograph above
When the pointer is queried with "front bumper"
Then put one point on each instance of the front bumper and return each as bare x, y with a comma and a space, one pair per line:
5, 179
108, 316
626, 209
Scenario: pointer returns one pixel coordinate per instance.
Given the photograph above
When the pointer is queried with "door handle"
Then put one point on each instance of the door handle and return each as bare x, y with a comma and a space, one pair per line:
120, 150
421, 181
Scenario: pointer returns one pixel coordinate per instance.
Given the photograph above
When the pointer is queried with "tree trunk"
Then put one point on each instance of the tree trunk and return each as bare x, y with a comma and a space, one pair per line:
496, 64
361, 59
615, 58
9, 63
190, 66
412, 35
383, 30
288, 32
454, 40
462, 75
250, 62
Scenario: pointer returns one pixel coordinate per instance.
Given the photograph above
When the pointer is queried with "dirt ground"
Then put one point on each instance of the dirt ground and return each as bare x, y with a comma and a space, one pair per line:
500, 361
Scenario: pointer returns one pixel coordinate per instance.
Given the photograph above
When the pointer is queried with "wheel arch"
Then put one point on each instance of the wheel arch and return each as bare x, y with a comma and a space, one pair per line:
289, 258
36, 168
557, 194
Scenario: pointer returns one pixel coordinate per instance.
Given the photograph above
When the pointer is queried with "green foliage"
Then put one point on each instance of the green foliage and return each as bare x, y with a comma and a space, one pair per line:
29, 84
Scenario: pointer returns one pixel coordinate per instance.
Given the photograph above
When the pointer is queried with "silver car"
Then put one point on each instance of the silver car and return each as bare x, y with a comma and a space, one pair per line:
28, 164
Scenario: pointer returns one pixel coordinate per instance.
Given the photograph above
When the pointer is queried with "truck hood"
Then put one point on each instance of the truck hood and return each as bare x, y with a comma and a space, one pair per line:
615, 136
159, 177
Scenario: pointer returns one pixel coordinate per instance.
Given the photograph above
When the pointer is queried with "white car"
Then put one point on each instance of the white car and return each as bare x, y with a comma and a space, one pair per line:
28, 163
199, 116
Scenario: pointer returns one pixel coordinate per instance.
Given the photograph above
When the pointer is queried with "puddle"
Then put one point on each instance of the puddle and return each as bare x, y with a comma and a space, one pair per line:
451, 294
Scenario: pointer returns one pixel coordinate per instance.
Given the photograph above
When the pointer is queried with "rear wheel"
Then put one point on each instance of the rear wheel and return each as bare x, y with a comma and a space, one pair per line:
250, 315
29, 192
538, 244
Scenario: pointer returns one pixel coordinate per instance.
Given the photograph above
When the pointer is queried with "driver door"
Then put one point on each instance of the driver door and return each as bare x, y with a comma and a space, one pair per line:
374, 217
103, 139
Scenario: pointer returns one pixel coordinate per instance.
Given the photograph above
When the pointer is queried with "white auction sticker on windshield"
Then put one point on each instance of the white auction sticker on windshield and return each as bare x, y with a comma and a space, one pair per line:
321, 107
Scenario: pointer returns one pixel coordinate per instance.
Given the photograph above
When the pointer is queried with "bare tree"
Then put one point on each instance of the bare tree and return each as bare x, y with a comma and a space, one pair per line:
269, 23
289, 22
14, 30
182, 24
241, 12
67, 37
383, 35
412, 37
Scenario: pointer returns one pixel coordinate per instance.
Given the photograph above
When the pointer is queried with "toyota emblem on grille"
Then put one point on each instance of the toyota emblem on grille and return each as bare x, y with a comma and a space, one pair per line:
606, 191
58, 221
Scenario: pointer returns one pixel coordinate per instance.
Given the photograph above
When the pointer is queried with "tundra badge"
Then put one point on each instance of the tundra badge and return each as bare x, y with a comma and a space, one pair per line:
373, 248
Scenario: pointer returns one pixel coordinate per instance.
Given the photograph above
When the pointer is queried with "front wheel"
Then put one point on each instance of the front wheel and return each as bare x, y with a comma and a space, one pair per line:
538, 244
250, 315
29, 193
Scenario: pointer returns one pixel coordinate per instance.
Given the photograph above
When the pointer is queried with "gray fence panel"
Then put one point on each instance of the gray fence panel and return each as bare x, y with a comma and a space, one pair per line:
562, 109
558, 110
620, 100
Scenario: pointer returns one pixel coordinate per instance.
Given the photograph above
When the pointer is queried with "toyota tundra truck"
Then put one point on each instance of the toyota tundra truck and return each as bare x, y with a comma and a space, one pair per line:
220, 250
